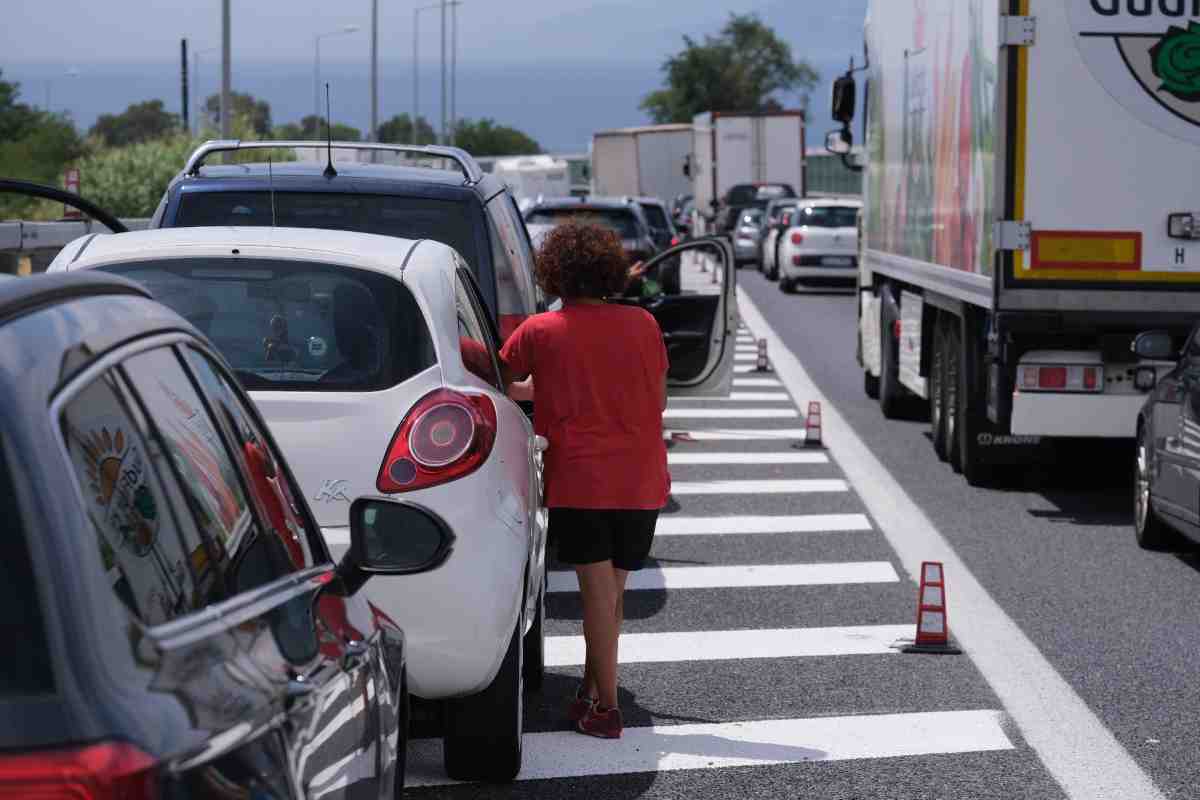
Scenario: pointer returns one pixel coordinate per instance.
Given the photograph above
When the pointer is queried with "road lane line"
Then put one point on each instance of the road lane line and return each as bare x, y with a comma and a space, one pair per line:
689, 646
741, 577
761, 382
700, 746
799, 486
744, 369
794, 457
736, 397
731, 435
671, 525
1074, 745
731, 413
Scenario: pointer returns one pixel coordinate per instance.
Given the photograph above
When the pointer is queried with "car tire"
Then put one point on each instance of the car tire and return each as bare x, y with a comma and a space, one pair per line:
1150, 530
535, 645
786, 286
891, 393
937, 392
483, 732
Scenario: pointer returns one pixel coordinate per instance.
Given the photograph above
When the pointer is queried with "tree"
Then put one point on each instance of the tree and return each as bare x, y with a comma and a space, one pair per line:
141, 122
399, 130
313, 127
256, 112
738, 70
485, 138
34, 146
129, 181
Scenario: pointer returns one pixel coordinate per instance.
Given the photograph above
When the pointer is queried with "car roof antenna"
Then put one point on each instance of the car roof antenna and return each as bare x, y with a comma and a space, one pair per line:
330, 172
271, 186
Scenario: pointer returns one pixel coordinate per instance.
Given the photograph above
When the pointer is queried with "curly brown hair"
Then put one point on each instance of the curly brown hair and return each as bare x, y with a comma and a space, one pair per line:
582, 261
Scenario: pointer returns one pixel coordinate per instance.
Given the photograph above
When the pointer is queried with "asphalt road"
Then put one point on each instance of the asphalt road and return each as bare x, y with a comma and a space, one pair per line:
1053, 546
709, 719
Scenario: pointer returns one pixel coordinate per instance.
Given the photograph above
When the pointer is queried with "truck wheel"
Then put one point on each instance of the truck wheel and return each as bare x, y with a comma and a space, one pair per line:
870, 385
937, 391
966, 455
786, 286
890, 391
535, 645
483, 732
1152, 533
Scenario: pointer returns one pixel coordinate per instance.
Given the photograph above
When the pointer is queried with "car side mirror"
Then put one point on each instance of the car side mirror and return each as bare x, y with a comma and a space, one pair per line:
844, 99
1155, 346
394, 537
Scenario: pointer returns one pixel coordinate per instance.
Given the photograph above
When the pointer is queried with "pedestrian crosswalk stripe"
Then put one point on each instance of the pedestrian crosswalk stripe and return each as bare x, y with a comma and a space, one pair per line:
760, 382
736, 397
671, 525
802, 486
821, 574
730, 413
741, 358
795, 457
648, 648
742, 369
751, 743
744, 434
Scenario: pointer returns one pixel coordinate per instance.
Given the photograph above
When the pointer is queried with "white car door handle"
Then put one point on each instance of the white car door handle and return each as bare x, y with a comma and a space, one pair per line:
540, 443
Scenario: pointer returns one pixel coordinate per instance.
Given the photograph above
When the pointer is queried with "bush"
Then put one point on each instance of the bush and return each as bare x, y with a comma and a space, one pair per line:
129, 181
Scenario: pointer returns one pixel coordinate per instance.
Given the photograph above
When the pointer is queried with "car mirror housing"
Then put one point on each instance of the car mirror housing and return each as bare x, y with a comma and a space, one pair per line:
1155, 346
844, 99
396, 537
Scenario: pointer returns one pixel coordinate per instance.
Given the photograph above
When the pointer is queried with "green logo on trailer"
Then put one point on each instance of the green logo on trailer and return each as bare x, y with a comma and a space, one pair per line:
1146, 55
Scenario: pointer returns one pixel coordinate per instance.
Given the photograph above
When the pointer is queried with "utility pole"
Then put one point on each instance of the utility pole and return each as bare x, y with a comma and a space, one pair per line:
443, 137
226, 74
373, 136
183, 68
453, 71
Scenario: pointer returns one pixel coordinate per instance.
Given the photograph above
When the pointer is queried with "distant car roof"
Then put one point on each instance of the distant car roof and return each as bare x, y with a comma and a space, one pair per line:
583, 202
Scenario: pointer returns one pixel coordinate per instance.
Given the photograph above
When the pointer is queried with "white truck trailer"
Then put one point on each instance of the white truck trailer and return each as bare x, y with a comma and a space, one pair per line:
730, 149
1030, 206
532, 176
642, 162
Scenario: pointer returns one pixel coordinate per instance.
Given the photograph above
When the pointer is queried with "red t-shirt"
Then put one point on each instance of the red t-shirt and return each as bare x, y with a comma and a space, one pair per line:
597, 374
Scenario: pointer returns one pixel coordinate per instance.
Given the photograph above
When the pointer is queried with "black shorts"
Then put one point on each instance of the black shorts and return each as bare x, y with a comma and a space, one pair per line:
589, 536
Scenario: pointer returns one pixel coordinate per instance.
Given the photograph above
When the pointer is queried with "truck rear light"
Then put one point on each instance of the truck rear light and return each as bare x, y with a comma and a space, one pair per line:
445, 436
105, 771
797, 260
1062, 378
797, 238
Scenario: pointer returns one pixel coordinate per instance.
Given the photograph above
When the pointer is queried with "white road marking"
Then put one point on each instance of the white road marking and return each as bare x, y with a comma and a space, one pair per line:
1074, 745
671, 525
757, 382
744, 434
731, 413
800, 486
744, 369
654, 648
668, 748
740, 577
336, 536
738, 397
795, 457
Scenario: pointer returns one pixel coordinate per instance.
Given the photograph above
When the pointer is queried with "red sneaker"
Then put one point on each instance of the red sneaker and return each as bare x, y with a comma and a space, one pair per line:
580, 706
604, 724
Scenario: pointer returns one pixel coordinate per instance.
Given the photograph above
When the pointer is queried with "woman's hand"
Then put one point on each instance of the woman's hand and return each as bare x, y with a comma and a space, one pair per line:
521, 391
637, 270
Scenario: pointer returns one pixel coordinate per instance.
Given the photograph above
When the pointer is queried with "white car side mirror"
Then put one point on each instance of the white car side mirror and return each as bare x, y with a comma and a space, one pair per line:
540, 443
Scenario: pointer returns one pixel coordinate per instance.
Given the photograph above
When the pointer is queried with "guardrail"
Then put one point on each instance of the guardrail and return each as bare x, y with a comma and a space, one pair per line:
18, 236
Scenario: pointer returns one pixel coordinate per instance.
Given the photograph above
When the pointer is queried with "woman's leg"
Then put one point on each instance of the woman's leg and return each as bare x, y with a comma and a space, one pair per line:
598, 585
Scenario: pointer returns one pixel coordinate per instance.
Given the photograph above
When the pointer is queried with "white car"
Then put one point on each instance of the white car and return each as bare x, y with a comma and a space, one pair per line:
374, 364
821, 244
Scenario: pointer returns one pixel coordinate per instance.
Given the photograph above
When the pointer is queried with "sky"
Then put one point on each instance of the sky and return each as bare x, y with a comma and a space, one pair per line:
557, 70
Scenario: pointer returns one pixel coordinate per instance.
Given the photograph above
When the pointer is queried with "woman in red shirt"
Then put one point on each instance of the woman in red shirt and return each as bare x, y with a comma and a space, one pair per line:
600, 372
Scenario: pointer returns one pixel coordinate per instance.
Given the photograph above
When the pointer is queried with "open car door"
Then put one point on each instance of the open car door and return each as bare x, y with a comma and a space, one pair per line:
9, 186
691, 290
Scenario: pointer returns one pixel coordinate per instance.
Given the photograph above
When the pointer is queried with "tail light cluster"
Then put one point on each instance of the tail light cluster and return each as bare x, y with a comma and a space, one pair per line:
1062, 378
105, 771
797, 238
445, 436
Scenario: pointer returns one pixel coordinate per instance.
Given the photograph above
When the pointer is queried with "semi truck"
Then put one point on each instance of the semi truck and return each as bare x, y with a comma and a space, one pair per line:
532, 176
1029, 207
732, 149
642, 162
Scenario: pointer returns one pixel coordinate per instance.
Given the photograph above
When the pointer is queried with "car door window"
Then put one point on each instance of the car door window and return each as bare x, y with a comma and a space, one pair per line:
514, 269
157, 565
475, 343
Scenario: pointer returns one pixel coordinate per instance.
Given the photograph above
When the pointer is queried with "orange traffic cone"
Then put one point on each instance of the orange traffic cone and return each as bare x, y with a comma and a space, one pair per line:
933, 627
761, 363
812, 424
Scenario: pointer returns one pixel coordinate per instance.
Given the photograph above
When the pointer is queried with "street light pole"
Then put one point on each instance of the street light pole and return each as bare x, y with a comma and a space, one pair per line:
317, 64
373, 136
416, 65
198, 95
453, 71
226, 74
443, 137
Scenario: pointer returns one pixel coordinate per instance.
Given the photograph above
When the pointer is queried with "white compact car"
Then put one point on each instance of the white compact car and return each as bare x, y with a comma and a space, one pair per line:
820, 245
373, 362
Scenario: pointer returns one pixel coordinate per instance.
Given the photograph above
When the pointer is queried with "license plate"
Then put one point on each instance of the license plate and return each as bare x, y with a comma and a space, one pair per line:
837, 261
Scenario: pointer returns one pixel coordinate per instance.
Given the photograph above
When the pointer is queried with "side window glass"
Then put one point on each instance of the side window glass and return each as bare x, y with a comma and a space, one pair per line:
268, 482
157, 568
215, 493
473, 340
514, 274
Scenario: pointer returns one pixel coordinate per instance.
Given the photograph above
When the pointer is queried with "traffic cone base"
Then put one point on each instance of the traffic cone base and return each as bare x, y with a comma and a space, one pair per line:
933, 629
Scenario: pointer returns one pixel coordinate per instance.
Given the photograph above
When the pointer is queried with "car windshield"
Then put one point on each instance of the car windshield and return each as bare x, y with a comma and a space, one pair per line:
746, 194
296, 325
618, 219
827, 217
656, 215
445, 221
